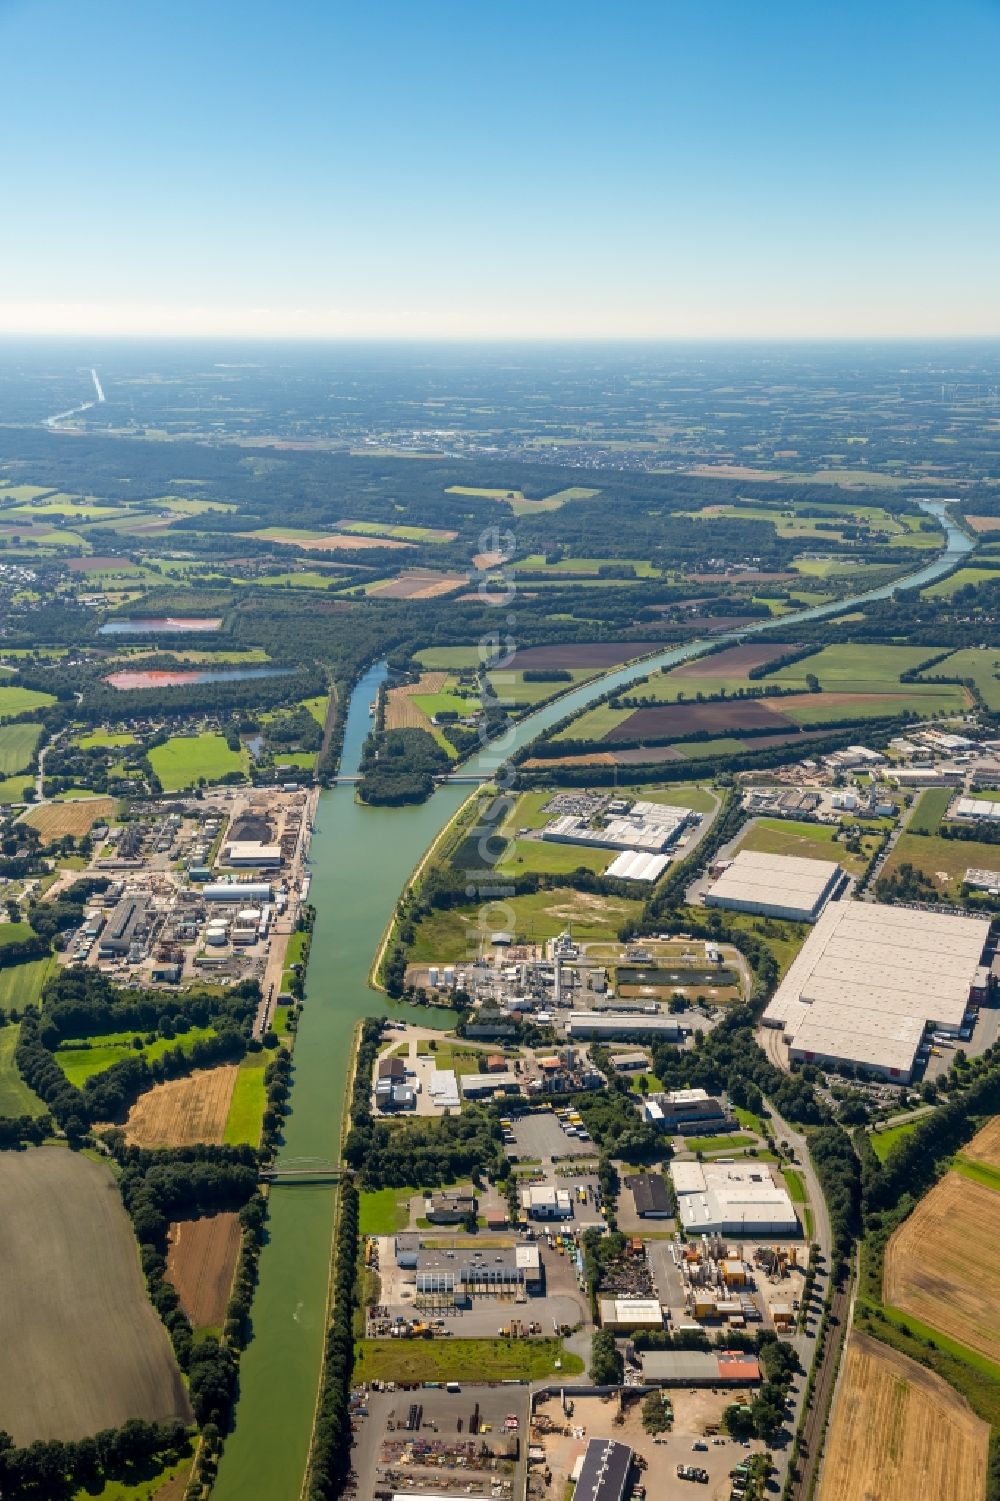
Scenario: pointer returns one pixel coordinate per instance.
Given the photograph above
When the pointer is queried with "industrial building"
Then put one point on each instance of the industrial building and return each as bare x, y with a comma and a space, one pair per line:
645, 828
775, 885
450, 1208
649, 1194
459, 1275
732, 1198
638, 865
602, 1025
626, 1315
123, 926
975, 809
482, 1086
686, 1112
237, 891
872, 980
699, 1368
604, 1474
250, 852
540, 1202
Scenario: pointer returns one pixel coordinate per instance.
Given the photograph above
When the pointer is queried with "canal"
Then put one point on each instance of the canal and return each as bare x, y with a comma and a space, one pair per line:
361, 860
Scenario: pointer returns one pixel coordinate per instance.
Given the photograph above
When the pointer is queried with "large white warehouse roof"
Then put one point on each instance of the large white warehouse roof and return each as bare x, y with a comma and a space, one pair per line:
780, 884
732, 1199
870, 979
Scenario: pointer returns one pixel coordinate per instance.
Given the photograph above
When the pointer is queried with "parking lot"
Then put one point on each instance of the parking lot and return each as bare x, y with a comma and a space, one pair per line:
541, 1138
443, 1455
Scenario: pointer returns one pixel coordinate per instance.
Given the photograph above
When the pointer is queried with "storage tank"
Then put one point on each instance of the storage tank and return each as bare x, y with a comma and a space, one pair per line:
216, 936
248, 916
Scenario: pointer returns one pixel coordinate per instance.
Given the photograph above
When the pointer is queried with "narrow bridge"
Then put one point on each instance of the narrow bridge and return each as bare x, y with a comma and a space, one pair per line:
304, 1170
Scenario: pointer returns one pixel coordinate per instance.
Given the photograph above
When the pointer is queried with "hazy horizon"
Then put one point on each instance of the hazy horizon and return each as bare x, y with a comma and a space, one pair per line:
401, 173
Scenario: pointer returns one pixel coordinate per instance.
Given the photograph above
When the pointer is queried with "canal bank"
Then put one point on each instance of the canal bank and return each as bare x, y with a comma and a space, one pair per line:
362, 858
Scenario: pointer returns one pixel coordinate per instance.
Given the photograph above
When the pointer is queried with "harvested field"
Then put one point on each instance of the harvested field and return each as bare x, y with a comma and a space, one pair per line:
583, 654
734, 663
899, 1431
725, 717
182, 1112
954, 1287
401, 713
599, 758
201, 1260
984, 523
81, 1348
985, 1145
419, 584
76, 818
336, 542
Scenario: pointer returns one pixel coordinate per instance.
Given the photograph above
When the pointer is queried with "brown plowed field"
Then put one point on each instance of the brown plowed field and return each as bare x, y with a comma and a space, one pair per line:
943, 1263
97, 564
599, 758
76, 818
182, 1112
721, 718
985, 1145
418, 584
583, 654
899, 1432
401, 713
81, 1348
647, 755
984, 523
734, 663
201, 1259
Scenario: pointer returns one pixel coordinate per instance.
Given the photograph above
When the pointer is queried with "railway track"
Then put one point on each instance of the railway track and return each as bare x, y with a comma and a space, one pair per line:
806, 1467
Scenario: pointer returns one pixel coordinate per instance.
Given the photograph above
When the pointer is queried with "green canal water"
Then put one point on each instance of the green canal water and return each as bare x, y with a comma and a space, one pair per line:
361, 860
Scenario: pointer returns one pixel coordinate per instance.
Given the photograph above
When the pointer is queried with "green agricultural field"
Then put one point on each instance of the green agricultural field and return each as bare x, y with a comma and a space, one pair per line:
14, 932
21, 984
594, 724
981, 664
317, 708
81, 508
15, 700
945, 861
455, 935
17, 746
15, 1096
510, 687
245, 1120
20, 494
306, 579
445, 703
294, 533
811, 841
182, 761
81, 1059
855, 668
481, 493
463, 1360
935, 698
945, 588
448, 658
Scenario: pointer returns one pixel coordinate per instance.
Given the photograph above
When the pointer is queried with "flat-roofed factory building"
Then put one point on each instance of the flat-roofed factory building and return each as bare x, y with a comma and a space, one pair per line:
732, 1198
775, 885
604, 1474
871, 980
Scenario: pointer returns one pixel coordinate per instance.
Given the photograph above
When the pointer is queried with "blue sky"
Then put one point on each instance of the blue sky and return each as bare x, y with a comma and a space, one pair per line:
685, 168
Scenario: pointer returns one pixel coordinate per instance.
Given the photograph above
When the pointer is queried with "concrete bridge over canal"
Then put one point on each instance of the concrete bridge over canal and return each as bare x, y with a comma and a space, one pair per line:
295, 1170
